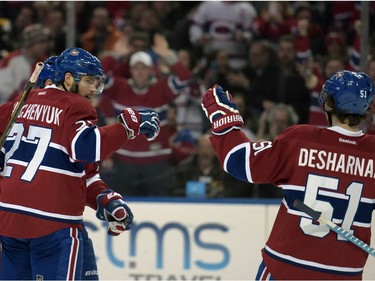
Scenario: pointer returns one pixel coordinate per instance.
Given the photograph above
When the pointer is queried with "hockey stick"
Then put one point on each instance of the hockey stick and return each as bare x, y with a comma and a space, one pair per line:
30, 84
339, 230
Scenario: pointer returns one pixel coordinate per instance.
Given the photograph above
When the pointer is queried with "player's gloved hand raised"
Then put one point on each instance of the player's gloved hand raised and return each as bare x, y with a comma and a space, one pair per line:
219, 108
112, 208
142, 121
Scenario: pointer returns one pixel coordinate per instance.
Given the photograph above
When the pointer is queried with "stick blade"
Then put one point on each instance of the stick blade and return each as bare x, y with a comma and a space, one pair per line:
34, 76
306, 209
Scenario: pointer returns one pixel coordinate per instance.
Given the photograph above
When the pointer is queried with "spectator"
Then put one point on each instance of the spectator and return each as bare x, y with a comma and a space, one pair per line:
308, 35
26, 16
290, 87
331, 64
275, 121
102, 35
55, 21
203, 170
149, 22
138, 41
335, 44
218, 68
189, 111
179, 35
143, 167
369, 124
231, 31
17, 66
239, 98
182, 141
5, 27
271, 23
255, 80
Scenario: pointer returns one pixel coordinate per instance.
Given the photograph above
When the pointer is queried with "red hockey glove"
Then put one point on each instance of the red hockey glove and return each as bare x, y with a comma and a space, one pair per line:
112, 208
141, 121
221, 111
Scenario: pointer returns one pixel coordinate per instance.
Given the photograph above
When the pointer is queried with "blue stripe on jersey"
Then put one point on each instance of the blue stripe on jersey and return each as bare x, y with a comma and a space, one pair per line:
310, 266
45, 217
364, 211
85, 145
236, 164
54, 158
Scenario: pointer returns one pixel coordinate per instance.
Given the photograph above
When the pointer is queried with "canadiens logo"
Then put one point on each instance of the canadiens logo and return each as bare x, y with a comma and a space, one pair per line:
74, 52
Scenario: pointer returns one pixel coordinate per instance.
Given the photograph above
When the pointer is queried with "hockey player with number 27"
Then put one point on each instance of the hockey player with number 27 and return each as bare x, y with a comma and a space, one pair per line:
330, 170
46, 175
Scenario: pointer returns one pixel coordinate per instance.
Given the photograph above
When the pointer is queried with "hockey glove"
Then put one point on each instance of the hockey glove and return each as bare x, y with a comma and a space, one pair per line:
112, 208
221, 111
142, 121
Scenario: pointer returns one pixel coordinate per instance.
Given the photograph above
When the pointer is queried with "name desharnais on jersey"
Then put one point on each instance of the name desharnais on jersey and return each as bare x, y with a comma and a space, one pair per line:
336, 162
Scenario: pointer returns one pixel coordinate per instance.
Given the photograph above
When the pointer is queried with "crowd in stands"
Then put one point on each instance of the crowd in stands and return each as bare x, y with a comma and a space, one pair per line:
273, 56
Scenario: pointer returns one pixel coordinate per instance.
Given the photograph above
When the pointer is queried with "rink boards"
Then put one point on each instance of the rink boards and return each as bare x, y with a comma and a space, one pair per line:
175, 239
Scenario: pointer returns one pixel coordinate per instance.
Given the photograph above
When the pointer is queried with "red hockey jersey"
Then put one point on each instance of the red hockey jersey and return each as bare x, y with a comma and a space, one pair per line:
121, 93
329, 169
46, 176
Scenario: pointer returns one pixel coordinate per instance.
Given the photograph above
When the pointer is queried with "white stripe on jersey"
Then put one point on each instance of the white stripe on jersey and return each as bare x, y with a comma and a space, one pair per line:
292, 187
93, 179
98, 145
315, 264
73, 144
336, 221
333, 194
97, 141
367, 200
40, 212
50, 169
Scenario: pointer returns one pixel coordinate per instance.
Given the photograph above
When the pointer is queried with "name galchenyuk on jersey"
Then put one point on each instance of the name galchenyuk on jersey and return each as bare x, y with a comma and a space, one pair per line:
336, 162
42, 113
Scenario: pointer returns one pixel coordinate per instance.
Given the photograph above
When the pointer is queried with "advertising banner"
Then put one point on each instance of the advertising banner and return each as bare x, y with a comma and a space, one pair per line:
186, 241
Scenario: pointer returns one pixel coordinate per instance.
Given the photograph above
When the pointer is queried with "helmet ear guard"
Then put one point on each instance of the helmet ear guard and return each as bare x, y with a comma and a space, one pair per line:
48, 72
352, 92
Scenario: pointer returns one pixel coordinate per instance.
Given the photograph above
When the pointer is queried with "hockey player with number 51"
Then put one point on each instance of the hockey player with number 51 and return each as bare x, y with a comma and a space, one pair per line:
330, 170
49, 171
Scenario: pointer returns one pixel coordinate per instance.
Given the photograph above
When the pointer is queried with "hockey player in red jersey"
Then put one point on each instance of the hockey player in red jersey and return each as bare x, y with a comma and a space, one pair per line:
47, 174
46, 78
329, 169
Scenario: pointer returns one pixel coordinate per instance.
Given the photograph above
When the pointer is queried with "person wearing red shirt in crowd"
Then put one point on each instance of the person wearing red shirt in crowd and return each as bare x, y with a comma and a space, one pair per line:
17, 66
142, 168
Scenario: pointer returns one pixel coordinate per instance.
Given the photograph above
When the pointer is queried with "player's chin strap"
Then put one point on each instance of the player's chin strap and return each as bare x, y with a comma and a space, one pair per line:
75, 90
329, 117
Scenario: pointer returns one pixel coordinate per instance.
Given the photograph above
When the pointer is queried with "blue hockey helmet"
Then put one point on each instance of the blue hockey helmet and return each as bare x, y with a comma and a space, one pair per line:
352, 91
48, 72
79, 63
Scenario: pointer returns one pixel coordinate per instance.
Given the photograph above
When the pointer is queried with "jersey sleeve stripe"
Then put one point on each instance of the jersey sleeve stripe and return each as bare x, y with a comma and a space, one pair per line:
83, 142
237, 162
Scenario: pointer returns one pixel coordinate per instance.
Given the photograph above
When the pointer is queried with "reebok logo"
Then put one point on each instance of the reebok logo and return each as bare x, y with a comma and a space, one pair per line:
227, 119
347, 141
